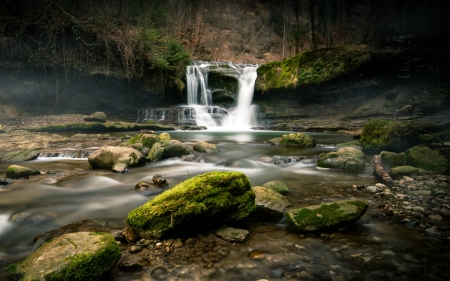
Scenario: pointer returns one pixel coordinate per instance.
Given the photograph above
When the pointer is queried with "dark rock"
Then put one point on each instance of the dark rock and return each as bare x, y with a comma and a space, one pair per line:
131, 263
143, 185
159, 180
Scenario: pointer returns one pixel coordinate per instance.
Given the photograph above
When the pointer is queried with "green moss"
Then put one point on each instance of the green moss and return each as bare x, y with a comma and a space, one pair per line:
349, 144
147, 140
164, 138
297, 139
427, 159
392, 159
401, 171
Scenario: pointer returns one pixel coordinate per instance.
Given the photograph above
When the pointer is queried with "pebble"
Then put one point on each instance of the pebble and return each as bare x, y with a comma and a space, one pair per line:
432, 232
435, 217
159, 272
373, 189
135, 249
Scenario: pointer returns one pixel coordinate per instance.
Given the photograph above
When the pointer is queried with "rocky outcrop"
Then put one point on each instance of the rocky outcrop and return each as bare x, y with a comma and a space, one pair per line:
208, 199
20, 155
16, 172
297, 139
270, 205
72, 256
204, 147
325, 215
346, 158
107, 157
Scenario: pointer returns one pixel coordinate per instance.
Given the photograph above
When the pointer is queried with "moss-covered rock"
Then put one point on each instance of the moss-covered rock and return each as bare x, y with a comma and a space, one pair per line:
2, 130
409, 171
20, 155
156, 153
392, 159
278, 186
174, 148
107, 157
270, 205
16, 172
427, 159
355, 144
96, 117
208, 199
325, 215
164, 138
74, 256
379, 135
297, 139
346, 158
204, 147
143, 142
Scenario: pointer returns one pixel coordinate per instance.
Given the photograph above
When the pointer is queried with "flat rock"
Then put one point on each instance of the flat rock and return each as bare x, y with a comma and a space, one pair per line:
232, 234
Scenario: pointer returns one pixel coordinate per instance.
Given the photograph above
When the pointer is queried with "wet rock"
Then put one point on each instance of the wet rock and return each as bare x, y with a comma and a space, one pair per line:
256, 255
20, 155
274, 141
427, 159
270, 205
281, 160
174, 148
156, 152
107, 157
159, 272
392, 159
232, 234
91, 253
96, 117
204, 147
325, 215
297, 139
435, 217
135, 249
432, 232
278, 186
193, 128
16, 172
119, 168
265, 159
373, 189
401, 171
346, 158
131, 263
4, 181
164, 138
129, 234
143, 185
143, 142
159, 180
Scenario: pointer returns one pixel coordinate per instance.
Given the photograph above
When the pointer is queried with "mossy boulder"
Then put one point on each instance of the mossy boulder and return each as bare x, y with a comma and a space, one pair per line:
355, 144
409, 171
2, 130
164, 138
379, 135
204, 147
143, 142
427, 159
156, 153
270, 205
203, 201
16, 172
74, 256
174, 148
346, 158
20, 155
392, 159
278, 186
96, 117
297, 139
107, 157
325, 215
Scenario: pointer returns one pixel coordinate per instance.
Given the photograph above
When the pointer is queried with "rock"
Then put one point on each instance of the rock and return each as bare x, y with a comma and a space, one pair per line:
435, 217
432, 232
256, 255
143, 185
174, 148
156, 153
164, 138
204, 147
159, 273
119, 168
321, 216
143, 142
4, 181
2, 130
107, 157
232, 234
72, 256
401, 171
96, 117
202, 201
193, 128
297, 139
427, 159
159, 180
274, 141
379, 135
270, 205
131, 263
276, 185
373, 189
135, 249
129, 234
16, 171
392, 159
346, 158
20, 155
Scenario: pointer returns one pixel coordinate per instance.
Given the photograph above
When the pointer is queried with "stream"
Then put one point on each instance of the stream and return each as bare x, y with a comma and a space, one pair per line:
371, 249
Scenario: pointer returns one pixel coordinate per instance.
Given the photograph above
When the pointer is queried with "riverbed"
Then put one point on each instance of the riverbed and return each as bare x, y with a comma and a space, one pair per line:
371, 249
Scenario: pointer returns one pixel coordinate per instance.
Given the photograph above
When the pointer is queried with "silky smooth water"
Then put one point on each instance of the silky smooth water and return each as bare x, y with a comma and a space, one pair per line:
370, 250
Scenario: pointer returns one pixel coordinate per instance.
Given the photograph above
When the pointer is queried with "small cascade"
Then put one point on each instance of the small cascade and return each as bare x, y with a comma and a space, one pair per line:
73, 154
155, 114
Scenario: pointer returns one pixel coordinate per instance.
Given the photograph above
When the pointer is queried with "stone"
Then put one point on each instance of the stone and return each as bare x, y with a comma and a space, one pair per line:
297, 139
432, 232
428, 159
20, 155
159, 180
325, 215
156, 152
143, 142
143, 185
164, 138
72, 256
276, 185
346, 158
107, 157
174, 148
2, 129
232, 234
16, 172
270, 205
401, 171
392, 159
119, 168
373, 189
435, 217
96, 117
135, 249
201, 201
256, 255
204, 147
131, 263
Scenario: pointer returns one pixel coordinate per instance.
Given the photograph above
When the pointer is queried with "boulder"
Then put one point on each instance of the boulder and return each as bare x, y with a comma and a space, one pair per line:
159, 180
16, 172
346, 158
392, 159
232, 234
297, 139
409, 171
174, 148
164, 138
325, 215
203, 201
143, 142
203, 146
96, 117
2, 130
270, 205
156, 153
20, 155
278, 186
427, 159
107, 157
379, 135
72, 256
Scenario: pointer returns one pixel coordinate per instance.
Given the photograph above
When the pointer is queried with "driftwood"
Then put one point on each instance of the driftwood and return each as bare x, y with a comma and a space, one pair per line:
380, 172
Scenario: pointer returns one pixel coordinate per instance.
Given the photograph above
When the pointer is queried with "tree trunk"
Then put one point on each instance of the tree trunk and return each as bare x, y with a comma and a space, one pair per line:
381, 172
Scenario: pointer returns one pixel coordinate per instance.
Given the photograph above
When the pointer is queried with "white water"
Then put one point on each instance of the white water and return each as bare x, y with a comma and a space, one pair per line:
199, 97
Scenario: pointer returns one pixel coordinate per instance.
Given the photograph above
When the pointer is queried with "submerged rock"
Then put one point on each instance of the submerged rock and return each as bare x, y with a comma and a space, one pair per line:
174, 148
208, 199
278, 186
322, 216
159, 180
16, 171
107, 157
20, 155
270, 205
203, 146
346, 158
297, 139
232, 234
72, 256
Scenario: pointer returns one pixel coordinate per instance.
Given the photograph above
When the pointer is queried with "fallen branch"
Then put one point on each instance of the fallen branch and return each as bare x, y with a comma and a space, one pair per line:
381, 172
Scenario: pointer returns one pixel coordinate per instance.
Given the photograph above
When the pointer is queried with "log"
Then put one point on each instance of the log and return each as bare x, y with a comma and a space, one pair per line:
381, 172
